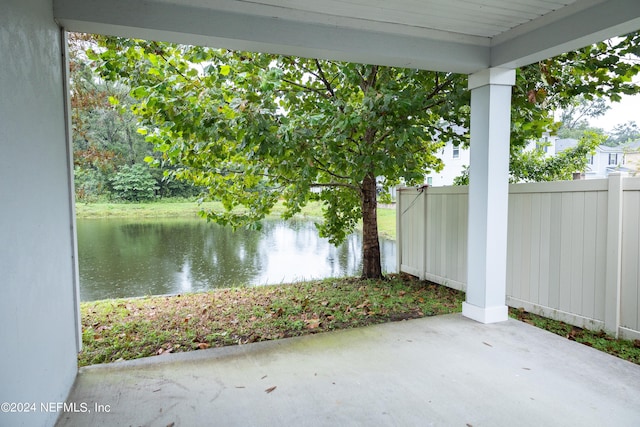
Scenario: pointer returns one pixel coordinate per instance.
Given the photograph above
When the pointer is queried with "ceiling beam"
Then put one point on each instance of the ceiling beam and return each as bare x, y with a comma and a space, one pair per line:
575, 30
217, 24
157, 20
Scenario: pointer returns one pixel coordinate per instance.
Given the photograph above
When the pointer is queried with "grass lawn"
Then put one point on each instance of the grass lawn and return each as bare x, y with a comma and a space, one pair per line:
159, 209
124, 329
189, 209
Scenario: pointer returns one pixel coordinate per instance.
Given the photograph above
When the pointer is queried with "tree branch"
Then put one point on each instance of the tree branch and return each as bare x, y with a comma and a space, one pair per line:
309, 88
325, 169
438, 87
336, 184
435, 104
324, 80
384, 135
158, 51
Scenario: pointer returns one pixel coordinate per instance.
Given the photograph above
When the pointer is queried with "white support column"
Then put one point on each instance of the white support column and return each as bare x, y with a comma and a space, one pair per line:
488, 195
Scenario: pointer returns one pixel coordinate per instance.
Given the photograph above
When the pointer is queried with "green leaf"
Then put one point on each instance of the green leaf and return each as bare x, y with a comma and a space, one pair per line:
140, 92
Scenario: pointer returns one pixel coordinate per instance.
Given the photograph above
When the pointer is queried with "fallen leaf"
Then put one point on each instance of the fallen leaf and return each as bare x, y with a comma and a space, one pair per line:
162, 350
203, 345
486, 343
312, 323
270, 389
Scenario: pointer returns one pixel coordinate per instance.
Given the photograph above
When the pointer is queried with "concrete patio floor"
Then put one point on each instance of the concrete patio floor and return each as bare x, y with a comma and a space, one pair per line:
442, 371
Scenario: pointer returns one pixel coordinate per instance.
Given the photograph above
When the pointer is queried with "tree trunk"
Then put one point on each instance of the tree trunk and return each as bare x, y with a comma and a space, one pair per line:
371, 266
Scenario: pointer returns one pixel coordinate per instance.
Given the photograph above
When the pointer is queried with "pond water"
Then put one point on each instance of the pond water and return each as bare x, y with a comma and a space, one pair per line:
126, 258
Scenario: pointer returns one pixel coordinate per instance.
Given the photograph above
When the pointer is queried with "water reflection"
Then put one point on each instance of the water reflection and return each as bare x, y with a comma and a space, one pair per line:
124, 258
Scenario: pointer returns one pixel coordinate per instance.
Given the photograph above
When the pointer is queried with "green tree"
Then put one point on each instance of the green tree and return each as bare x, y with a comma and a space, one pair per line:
576, 113
254, 128
535, 166
104, 130
625, 132
574, 117
602, 71
101, 113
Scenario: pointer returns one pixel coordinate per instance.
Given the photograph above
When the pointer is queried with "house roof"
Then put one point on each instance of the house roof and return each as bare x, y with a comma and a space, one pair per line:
444, 35
606, 149
565, 143
631, 146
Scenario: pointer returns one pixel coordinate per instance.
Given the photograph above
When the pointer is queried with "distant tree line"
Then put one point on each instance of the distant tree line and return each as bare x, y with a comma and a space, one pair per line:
575, 124
108, 149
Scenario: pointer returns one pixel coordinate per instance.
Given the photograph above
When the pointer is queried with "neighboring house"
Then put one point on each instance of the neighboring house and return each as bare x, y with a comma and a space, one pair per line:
454, 159
632, 157
604, 161
623, 158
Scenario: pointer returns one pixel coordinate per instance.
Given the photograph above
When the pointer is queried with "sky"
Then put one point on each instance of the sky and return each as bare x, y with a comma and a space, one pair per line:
621, 112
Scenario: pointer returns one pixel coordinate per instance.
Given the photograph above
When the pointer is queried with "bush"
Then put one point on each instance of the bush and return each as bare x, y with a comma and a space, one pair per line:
170, 186
90, 184
134, 183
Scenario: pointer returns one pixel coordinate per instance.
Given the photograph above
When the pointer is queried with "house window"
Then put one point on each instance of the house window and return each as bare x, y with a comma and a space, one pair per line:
456, 152
590, 160
613, 158
429, 180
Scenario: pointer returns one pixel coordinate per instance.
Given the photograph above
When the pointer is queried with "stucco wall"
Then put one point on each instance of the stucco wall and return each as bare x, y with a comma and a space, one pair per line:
37, 309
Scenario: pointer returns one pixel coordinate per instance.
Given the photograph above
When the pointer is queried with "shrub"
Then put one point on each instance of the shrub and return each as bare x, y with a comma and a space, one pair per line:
90, 184
134, 183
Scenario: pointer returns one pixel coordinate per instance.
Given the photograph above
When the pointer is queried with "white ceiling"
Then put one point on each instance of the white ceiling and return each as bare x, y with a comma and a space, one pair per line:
447, 35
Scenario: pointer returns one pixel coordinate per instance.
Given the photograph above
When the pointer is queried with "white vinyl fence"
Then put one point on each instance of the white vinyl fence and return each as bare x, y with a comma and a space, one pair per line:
573, 247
